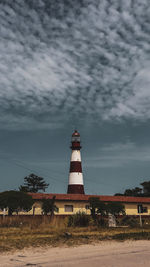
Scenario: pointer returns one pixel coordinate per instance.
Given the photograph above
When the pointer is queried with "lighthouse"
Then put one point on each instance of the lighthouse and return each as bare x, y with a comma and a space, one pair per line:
75, 185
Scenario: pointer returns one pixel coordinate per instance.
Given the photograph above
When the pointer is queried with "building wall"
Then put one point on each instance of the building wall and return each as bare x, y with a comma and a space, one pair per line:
77, 206
130, 208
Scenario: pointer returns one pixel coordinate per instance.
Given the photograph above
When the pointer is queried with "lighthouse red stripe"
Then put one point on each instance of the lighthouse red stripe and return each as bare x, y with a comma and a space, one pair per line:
75, 189
75, 166
75, 146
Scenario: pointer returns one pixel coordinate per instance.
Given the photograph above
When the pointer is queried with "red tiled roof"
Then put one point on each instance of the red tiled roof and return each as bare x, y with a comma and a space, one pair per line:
76, 197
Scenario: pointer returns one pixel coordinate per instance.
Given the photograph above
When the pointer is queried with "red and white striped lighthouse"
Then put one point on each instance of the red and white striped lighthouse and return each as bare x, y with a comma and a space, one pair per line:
75, 176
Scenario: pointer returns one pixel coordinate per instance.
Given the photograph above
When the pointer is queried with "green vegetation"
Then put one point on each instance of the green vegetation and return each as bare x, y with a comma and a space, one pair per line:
98, 207
129, 221
79, 219
33, 183
49, 207
137, 191
15, 201
20, 232
115, 208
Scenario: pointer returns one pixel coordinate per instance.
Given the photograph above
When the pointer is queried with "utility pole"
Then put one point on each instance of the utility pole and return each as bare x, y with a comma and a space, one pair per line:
140, 211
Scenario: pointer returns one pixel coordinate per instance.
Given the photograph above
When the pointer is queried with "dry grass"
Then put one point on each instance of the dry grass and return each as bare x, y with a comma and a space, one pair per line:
18, 233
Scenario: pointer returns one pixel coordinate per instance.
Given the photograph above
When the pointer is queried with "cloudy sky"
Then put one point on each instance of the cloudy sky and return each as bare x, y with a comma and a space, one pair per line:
75, 64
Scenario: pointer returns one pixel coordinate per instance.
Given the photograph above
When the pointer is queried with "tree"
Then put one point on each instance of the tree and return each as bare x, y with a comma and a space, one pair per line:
33, 183
96, 206
115, 208
15, 201
135, 192
48, 206
146, 188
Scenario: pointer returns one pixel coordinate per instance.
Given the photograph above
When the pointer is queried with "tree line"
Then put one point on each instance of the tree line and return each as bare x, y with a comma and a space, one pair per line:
98, 207
20, 200
16, 201
143, 191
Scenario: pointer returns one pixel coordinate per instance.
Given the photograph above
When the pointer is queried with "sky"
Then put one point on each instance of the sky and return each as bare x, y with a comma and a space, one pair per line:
68, 65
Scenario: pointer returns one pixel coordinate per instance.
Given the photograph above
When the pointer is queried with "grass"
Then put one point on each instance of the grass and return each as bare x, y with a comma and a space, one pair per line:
35, 232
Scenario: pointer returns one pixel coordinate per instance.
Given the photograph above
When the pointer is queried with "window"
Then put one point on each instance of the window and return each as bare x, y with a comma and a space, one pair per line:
68, 208
145, 210
142, 209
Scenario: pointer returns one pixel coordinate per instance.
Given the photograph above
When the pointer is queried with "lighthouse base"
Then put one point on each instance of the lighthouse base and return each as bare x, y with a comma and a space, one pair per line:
75, 189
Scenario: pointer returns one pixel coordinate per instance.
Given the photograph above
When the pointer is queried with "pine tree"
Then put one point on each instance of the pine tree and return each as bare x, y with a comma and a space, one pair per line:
33, 183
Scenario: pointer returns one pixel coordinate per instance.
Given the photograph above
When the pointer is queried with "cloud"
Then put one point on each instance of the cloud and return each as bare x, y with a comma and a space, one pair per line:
120, 155
61, 60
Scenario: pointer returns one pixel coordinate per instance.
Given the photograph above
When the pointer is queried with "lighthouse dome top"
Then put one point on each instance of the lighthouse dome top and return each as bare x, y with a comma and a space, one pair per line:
75, 137
75, 133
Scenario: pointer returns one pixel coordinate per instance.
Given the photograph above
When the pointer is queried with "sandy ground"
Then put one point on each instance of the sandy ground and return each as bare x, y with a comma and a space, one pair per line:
116, 254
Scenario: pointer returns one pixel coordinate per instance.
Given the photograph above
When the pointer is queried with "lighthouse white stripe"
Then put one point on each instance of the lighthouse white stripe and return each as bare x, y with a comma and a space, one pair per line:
76, 178
76, 155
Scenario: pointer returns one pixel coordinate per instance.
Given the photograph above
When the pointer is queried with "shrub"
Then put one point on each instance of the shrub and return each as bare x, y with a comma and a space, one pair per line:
129, 221
78, 219
101, 222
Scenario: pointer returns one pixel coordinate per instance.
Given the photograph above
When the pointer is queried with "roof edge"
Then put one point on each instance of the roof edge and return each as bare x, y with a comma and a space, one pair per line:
80, 197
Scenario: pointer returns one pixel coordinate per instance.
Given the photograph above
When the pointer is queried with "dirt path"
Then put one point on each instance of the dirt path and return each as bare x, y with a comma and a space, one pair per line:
106, 254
